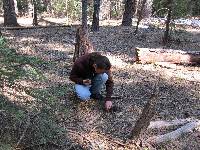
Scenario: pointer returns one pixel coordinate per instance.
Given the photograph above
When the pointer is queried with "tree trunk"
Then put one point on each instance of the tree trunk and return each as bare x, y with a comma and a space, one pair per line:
128, 13
95, 21
83, 44
166, 34
35, 20
16, 8
84, 16
148, 9
66, 7
140, 14
104, 10
145, 55
144, 121
10, 18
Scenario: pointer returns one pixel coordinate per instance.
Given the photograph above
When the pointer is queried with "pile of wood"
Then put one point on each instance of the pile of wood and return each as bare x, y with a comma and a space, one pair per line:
147, 55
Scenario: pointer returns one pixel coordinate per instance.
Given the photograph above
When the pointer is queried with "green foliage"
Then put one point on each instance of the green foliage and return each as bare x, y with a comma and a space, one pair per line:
42, 111
181, 8
5, 146
59, 5
22, 5
14, 66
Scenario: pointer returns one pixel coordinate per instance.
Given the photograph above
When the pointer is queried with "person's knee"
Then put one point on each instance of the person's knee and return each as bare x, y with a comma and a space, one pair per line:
101, 78
104, 77
84, 96
82, 92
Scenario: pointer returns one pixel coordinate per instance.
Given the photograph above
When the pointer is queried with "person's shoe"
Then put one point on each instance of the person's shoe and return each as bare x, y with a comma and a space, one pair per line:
97, 97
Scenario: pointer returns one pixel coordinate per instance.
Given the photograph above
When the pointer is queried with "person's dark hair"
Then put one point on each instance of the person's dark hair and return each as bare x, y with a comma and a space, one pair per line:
102, 62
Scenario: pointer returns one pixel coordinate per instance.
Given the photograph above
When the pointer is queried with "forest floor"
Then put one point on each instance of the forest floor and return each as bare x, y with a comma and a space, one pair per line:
88, 126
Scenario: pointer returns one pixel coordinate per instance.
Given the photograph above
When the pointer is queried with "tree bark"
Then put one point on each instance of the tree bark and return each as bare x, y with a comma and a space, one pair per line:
95, 21
140, 14
145, 55
166, 34
10, 18
144, 121
128, 13
148, 9
84, 16
35, 20
104, 9
16, 8
174, 134
83, 44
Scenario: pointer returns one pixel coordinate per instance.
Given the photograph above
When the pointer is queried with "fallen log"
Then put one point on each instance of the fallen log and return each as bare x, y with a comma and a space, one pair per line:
147, 55
174, 134
35, 27
165, 124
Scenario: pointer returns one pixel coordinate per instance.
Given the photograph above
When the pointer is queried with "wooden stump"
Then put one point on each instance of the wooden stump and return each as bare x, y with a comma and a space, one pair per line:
145, 55
144, 121
83, 44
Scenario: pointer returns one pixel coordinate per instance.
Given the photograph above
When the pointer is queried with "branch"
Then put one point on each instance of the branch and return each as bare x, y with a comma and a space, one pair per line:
162, 124
174, 134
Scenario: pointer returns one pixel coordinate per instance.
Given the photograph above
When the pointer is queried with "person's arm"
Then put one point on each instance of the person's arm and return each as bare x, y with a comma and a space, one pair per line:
109, 86
75, 75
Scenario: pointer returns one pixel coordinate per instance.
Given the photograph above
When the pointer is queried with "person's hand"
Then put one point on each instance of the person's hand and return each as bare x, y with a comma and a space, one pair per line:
87, 82
108, 105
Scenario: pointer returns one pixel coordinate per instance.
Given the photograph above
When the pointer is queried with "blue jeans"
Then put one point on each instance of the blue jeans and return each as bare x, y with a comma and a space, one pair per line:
84, 92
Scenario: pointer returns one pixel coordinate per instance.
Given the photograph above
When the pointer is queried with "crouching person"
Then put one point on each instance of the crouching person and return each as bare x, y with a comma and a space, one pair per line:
90, 72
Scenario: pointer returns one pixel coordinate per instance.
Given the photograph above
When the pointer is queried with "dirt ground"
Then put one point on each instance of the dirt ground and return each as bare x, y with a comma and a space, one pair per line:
88, 125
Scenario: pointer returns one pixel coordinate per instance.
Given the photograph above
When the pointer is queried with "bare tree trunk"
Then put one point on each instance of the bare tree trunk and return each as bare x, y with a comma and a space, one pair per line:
148, 9
104, 9
10, 18
144, 121
84, 16
140, 14
169, 16
66, 7
95, 21
16, 8
35, 20
83, 44
128, 13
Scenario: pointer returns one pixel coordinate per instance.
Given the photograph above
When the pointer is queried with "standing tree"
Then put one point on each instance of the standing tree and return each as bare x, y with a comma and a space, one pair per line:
95, 21
128, 12
140, 13
105, 9
10, 18
169, 16
83, 44
35, 22
84, 16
